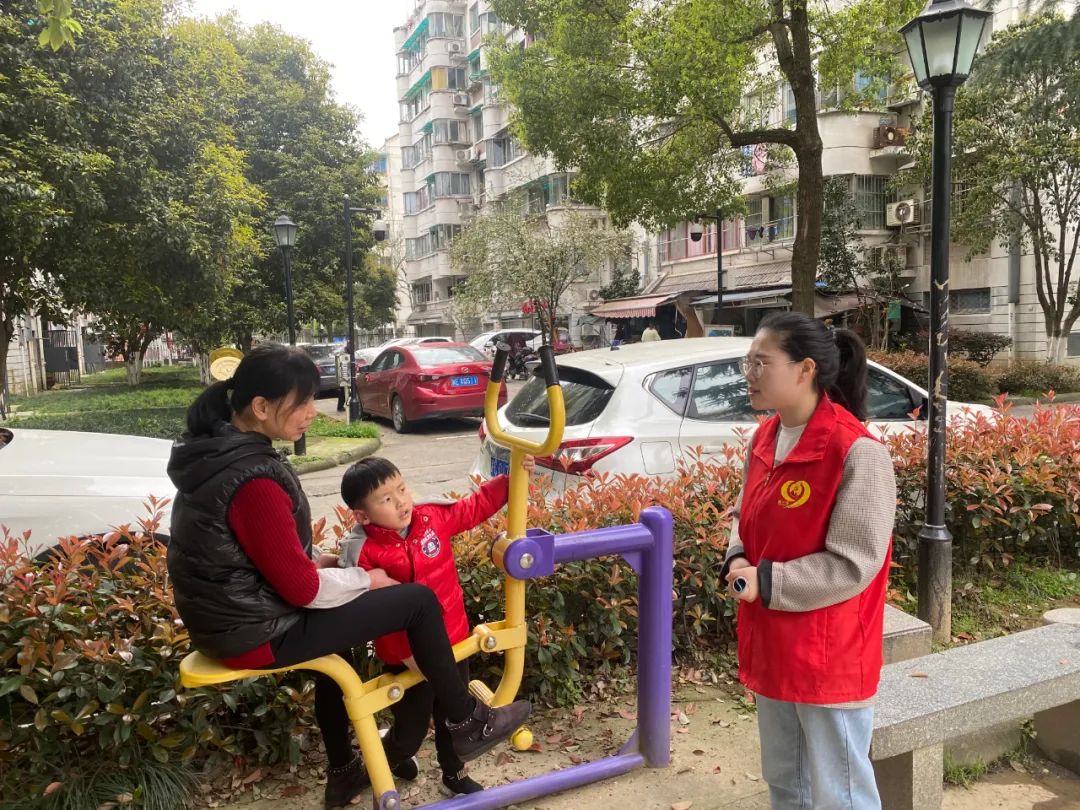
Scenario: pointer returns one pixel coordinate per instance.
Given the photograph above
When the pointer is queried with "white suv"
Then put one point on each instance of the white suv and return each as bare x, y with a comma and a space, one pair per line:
643, 407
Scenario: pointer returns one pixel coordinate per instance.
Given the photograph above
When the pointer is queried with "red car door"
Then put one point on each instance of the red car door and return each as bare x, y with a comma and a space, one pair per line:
372, 386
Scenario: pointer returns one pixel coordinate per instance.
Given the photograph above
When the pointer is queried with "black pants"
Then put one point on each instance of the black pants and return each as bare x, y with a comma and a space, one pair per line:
410, 607
412, 716
341, 398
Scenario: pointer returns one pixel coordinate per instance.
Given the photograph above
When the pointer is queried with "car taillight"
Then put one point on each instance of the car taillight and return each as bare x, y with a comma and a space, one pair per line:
578, 456
431, 377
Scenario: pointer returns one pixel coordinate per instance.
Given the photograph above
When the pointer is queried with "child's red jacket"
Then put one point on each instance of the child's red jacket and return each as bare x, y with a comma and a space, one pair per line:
425, 556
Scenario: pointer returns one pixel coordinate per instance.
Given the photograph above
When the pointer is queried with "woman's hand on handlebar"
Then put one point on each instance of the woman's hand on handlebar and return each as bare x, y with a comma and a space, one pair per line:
379, 579
529, 464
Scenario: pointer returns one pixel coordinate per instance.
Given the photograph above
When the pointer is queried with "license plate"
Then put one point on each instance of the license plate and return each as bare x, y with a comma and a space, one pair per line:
461, 382
499, 467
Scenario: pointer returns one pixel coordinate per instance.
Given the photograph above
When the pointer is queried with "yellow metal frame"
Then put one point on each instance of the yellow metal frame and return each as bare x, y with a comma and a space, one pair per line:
363, 699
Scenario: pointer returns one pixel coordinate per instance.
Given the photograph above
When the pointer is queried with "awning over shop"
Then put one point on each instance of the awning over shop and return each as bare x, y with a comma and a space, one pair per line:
643, 306
746, 297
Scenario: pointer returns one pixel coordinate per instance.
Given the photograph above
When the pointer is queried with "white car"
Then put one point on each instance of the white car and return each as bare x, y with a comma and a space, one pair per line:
365, 357
643, 407
485, 341
59, 483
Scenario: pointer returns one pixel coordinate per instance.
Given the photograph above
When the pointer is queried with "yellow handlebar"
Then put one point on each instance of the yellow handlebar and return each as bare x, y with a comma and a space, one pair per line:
514, 661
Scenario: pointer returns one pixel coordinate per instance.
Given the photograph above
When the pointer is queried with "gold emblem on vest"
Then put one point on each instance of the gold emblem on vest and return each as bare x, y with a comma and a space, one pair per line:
794, 494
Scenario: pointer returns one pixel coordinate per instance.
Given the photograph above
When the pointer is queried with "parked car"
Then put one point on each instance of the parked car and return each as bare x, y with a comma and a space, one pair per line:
367, 356
486, 341
325, 357
643, 407
58, 483
408, 384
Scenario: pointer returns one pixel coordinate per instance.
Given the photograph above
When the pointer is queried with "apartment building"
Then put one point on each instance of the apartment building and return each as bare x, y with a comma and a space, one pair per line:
457, 155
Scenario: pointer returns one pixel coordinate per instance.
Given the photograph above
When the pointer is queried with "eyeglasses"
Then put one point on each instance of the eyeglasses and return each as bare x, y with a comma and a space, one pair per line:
753, 369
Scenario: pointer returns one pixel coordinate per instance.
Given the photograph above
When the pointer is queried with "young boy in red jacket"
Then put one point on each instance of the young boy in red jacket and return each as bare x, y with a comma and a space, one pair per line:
412, 543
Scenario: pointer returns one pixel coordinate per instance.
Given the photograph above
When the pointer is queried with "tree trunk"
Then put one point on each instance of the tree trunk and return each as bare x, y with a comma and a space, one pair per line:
1055, 348
133, 364
202, 362
7, 332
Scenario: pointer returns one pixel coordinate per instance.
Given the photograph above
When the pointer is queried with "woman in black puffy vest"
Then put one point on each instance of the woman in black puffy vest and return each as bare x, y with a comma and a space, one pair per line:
254, 593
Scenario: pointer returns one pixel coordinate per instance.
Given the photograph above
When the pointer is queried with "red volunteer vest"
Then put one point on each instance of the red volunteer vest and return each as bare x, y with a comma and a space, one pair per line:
829, 655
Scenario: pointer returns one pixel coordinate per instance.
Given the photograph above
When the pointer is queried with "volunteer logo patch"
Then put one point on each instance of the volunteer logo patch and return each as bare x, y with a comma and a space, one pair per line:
794, 494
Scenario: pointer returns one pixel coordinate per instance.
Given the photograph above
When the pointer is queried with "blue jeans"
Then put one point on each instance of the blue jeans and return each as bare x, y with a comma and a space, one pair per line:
814, 757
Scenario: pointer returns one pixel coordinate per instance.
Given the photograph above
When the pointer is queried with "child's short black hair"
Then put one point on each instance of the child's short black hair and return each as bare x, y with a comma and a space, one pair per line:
364, 477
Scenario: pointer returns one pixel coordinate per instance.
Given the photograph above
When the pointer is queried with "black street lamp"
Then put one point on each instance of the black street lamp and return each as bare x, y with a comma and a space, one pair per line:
285, 236
379, 232
942, 43
696, 232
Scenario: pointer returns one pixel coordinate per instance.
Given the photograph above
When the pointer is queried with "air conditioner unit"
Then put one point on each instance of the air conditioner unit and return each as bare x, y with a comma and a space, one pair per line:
474, 155
889, 135
463, 155
594, 295
905, 212
461, 99
454, 47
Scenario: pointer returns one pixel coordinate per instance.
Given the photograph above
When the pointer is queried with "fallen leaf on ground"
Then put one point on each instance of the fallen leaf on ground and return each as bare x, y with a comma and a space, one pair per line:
683, 719
52, 787
751, 777
255, 776
682, 731
627, 715
294, 790
698, 752
681, 771
717, 769
682, 806
503, 759
919, 675
535, 747
1016, 766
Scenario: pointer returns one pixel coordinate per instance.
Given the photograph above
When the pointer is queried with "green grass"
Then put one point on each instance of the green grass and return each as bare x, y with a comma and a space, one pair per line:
1012, 601
963, 775
325, 426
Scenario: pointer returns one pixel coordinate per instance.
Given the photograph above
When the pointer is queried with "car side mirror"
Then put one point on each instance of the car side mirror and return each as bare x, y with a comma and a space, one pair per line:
924, 409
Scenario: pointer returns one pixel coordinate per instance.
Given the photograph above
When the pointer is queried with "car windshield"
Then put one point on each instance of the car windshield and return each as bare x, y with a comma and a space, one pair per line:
447, 355
585, 394
320, 352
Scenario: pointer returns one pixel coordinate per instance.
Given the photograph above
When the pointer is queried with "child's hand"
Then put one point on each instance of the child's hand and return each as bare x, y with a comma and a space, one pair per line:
328, 561
747, 573
528, 464
410, 663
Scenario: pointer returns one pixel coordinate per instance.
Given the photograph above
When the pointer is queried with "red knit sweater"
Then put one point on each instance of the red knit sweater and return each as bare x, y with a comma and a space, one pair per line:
260, 517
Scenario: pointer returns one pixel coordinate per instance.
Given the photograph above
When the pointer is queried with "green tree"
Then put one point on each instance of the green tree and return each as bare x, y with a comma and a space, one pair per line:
625, 281
510, 259
157, 244
651, 102
305, 154
44, 162
1019, 165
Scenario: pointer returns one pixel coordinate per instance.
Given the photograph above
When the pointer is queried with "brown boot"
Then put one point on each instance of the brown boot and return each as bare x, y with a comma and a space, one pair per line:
345, 783
486, 728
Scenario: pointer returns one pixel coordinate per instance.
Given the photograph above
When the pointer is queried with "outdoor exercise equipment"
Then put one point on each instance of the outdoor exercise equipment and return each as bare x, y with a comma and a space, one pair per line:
522, 554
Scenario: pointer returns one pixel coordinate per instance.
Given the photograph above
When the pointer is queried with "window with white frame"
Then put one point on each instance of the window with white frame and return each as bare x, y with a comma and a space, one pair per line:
870, 195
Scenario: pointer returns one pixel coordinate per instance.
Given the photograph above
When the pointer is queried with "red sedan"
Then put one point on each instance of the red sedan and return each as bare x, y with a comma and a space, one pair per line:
409, 384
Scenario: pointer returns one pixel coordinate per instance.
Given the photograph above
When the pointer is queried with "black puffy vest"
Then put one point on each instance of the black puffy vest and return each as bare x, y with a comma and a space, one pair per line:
225, 603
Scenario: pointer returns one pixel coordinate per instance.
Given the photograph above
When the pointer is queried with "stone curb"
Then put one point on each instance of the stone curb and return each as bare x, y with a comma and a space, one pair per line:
366, 449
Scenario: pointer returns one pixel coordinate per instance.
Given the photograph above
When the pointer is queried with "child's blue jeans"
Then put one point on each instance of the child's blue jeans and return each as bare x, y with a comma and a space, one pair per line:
814, 758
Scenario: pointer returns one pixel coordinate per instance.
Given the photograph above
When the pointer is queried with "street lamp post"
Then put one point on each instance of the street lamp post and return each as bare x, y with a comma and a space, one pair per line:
942, 43
285, 236
696, 232
379, 232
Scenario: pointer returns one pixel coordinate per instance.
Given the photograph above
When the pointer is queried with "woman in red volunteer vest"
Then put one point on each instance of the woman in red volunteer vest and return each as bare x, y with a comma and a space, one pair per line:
809, 560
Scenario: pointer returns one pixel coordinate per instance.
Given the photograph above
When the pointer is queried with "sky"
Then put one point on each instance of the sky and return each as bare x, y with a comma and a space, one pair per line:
355, 36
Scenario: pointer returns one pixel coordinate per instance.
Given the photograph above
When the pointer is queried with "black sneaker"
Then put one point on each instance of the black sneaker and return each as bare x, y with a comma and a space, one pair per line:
407, 770
459, 784
345, 783
487, 727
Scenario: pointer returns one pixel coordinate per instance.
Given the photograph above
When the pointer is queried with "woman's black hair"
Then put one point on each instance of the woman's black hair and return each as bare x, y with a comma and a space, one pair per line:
269, 371
838, 353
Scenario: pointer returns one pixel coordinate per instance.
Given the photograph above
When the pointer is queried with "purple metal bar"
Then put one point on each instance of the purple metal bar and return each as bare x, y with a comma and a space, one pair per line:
654, 640
543, 785
603, 542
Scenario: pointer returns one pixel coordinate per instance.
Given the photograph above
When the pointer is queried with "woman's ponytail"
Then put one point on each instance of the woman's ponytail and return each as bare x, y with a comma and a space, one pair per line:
839, 355
211, 407
849, 388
